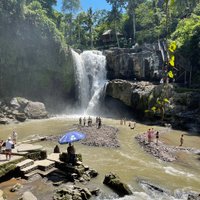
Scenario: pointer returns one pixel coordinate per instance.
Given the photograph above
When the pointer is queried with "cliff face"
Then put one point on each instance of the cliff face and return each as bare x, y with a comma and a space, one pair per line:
132, 64
133, 94
182, 112
34, 61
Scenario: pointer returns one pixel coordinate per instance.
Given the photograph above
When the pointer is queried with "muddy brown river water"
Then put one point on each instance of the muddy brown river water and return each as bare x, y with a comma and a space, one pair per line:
129, 161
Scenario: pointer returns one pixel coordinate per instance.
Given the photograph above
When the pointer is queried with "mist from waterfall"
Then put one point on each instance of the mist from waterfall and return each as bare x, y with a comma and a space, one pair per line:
90, 70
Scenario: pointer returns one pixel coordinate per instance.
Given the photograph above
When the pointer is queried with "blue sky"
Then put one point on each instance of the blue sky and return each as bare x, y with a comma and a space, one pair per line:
85, 4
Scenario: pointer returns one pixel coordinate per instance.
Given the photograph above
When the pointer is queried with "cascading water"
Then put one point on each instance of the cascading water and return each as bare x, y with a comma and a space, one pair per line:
90, 78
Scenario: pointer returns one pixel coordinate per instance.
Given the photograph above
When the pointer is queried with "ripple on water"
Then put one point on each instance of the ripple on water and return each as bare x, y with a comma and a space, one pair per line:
176, 172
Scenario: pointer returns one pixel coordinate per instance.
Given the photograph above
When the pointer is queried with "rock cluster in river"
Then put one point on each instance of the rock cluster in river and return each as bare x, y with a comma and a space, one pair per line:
106, 136
162, 151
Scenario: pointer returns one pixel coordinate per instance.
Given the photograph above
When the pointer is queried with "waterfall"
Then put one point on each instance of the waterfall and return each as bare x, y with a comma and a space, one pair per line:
90, 78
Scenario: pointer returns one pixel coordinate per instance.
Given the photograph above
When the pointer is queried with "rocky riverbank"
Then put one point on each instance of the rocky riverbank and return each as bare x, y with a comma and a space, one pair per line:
182, 111
106, 136
162, 151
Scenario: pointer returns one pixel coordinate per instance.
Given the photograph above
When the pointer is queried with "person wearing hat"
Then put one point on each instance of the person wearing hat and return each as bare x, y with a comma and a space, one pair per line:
8, 150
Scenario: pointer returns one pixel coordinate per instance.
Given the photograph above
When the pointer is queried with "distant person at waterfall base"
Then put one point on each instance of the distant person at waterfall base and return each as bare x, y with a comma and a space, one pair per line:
80, 121
9, 146
157, 137
84, 121
14, 137
181, 141
71, 153
99, 123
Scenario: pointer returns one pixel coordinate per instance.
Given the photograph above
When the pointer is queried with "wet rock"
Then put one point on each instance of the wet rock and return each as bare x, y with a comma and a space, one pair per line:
87, 194
114, 182
93, 173
193, 197
95, 191
151, 186
72, 193
4, 121
20, 117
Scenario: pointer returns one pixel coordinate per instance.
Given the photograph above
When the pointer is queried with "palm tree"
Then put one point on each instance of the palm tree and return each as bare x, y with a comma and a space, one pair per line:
69, 7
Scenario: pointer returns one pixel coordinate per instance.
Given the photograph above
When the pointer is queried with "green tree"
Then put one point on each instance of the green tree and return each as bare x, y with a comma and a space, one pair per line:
115, 16
90, 23
69, 7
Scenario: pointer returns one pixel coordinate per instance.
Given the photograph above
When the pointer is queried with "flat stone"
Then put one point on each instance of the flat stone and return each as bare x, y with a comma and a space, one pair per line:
54, 157
44, 163
28, 147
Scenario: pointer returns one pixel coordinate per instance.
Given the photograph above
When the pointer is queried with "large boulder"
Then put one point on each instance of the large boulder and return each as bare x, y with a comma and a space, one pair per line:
114, 182
36, 110
133, 94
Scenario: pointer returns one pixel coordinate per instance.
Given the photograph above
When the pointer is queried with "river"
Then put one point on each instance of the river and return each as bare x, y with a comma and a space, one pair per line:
129, 161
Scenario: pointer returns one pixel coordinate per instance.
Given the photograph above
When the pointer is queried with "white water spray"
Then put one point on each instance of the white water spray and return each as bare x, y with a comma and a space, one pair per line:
90, 78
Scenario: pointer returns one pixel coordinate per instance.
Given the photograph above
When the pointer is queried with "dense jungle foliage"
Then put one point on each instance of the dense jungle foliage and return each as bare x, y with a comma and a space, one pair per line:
34, 35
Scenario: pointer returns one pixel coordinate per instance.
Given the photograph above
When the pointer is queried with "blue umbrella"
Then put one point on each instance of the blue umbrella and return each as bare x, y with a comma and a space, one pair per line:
71, 137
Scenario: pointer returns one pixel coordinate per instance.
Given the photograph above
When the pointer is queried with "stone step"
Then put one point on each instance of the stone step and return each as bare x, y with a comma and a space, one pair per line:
29, 169
25, 163
45, 165
37, 171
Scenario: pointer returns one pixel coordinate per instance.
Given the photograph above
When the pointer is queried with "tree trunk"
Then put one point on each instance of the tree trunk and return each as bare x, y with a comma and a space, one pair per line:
134, 29
116, 35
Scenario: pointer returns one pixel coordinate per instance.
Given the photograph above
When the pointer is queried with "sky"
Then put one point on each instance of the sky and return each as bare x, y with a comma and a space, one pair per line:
85, 4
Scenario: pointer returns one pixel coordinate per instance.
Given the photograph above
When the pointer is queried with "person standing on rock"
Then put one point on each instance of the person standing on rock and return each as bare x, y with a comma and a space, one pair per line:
8, 151
14, 137
181, 141
157, 137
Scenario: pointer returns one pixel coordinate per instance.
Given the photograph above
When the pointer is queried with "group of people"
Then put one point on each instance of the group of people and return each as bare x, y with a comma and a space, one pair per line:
82, 121
130, 123
153, 134
9, 145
